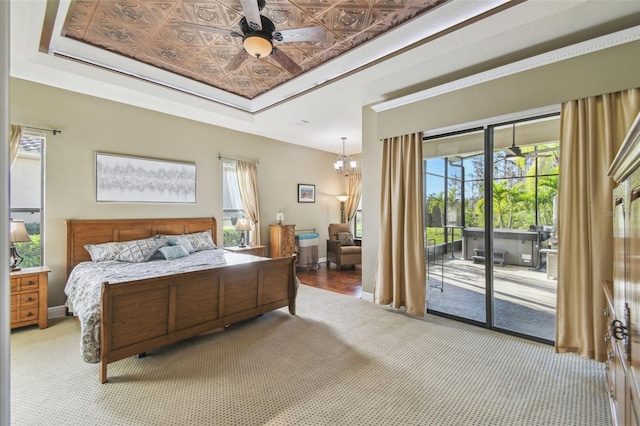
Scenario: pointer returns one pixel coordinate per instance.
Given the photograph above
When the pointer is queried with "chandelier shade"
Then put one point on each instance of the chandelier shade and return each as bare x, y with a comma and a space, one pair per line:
344, 163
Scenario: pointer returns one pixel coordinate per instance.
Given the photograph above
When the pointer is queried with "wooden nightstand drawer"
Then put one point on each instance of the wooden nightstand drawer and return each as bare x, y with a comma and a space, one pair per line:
29, 297
28, 283
29, 314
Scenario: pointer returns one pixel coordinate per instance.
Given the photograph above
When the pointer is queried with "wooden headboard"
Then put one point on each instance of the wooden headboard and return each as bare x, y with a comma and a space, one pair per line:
97, 231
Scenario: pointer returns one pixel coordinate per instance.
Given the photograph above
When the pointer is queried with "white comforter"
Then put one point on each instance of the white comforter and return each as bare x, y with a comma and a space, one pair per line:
83, 287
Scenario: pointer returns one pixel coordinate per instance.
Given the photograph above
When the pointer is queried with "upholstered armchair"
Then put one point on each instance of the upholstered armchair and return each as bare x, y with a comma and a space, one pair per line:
341, 247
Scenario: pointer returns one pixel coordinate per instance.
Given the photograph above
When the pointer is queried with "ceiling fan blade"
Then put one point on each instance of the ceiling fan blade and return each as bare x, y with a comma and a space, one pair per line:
237, 60
512, 150
287, 63
300, 34
252, 14
214, 30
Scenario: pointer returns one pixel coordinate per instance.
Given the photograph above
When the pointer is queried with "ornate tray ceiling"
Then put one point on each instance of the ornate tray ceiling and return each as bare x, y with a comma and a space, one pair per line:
150, 31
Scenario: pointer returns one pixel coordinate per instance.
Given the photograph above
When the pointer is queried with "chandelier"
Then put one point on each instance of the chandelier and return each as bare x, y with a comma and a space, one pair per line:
344, 163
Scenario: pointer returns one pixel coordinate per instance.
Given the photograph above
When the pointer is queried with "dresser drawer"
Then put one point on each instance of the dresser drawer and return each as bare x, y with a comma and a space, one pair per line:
15, 284
28, 314
27, 283
29, 299
15, 316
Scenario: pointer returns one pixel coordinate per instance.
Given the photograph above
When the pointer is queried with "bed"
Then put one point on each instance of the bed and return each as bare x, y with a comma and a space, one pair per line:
139, 315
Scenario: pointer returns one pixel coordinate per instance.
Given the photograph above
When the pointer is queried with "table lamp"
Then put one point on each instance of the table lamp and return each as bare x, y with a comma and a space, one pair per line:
18, 234
243, 225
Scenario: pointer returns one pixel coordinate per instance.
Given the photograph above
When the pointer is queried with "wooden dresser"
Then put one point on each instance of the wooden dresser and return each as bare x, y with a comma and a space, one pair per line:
283, 240
29, 297
623, 312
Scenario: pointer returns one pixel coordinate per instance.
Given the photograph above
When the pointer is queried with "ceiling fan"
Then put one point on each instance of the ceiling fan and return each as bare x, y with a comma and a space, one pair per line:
514, 152
258, 34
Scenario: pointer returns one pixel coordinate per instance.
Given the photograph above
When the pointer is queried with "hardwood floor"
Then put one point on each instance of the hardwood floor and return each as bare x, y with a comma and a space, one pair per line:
347, 281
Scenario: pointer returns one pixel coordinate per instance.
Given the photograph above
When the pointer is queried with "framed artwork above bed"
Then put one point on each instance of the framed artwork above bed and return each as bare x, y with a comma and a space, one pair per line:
121, 178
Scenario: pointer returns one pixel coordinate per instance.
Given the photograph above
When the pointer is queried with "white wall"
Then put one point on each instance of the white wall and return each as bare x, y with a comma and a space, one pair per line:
92, 125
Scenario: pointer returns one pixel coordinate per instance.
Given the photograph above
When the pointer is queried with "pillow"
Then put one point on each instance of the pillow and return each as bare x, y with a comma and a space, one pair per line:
181, 240
173, 252
345, 238
140, 250
201, 240
105, 251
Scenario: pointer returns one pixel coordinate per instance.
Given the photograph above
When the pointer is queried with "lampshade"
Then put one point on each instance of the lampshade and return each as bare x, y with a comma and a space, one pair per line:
280, 218
18, 233
257, 45
342, 197
243, 224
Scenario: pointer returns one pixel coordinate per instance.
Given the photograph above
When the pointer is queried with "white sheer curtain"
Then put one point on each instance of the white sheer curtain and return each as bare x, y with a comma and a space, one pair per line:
14, 142
247, 174
354, 191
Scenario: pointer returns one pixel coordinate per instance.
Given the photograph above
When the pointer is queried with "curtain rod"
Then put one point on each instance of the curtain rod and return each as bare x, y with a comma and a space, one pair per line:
221, 157
54, 131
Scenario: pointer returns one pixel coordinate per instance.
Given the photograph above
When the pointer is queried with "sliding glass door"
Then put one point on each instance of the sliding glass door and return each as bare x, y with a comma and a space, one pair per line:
490, 233
456, 286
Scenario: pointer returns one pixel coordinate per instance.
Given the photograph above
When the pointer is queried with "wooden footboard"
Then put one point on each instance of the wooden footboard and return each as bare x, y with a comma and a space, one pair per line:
139, 316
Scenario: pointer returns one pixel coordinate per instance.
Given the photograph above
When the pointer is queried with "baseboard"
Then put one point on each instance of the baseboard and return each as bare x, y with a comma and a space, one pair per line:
367, 296
57, 312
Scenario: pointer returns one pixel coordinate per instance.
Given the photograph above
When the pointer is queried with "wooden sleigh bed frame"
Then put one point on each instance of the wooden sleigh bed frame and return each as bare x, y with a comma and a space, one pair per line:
143, 315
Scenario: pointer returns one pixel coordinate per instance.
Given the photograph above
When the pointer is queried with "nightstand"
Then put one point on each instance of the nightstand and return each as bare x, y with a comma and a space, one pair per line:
29, 297
254, 250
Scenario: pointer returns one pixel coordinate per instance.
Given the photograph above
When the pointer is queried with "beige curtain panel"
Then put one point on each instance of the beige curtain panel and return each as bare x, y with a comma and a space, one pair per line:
354, 191
14, 143
247, 174
400, 277
591, 132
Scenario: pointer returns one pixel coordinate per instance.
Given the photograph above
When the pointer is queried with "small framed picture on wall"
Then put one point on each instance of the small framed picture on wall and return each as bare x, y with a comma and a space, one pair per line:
306, 193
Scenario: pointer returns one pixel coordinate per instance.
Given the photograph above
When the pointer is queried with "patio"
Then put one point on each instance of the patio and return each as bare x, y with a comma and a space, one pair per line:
525, 299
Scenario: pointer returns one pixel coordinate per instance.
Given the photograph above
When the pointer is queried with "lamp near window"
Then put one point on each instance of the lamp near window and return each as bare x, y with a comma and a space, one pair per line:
243, 225
18, 234
342, 198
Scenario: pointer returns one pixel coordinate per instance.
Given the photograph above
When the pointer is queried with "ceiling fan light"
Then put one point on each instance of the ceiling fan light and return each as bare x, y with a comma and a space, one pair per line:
257, 45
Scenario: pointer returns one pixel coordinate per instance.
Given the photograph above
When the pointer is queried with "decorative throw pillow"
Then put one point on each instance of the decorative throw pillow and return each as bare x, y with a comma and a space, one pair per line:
201, 240
181, 240
105, 251
140, 250
173, 252
345, 238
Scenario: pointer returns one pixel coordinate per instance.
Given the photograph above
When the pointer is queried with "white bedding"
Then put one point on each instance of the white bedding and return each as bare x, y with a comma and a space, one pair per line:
83, 288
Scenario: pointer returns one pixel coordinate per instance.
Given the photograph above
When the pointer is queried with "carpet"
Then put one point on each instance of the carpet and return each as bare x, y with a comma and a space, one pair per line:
339, 361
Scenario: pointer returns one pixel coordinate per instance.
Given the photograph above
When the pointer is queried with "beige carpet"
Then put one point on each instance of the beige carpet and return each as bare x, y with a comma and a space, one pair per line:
340, 361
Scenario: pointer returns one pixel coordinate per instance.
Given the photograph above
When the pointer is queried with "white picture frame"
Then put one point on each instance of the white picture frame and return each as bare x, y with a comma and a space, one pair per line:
122, 178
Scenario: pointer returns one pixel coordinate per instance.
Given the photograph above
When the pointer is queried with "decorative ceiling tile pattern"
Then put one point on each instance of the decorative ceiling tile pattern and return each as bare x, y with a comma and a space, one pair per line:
150, 31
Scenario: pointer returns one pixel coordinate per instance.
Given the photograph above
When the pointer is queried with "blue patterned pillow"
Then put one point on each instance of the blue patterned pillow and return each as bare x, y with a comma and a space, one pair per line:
140, 250
201, 240
181, 240
173, 252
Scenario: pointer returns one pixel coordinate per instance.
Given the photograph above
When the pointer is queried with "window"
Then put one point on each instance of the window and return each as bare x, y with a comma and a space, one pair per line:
358, 220
27, 194
232, 207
